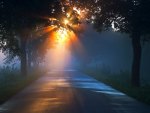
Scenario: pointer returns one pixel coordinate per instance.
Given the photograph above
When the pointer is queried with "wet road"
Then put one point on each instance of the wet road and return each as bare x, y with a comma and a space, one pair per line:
71, 92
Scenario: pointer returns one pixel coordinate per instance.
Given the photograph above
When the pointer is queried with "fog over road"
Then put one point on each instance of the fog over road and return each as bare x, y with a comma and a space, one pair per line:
71, 92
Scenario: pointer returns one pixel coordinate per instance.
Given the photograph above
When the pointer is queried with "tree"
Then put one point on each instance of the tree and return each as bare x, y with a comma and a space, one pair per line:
129, 16
18, 21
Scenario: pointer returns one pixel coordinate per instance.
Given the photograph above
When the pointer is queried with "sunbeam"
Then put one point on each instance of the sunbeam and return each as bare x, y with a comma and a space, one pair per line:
60, 56
65, 31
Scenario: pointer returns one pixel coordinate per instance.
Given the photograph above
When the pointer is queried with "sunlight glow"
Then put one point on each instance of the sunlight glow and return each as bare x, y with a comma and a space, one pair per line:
52, 19
77, 10
60, 56
66, 21
81, 12
64, 36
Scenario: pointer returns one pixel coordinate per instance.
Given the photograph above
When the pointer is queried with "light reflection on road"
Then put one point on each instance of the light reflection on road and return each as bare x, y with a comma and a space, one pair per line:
70, 92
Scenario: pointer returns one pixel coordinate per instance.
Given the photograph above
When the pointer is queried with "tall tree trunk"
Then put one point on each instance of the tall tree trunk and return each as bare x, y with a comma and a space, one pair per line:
136, 64
23, 57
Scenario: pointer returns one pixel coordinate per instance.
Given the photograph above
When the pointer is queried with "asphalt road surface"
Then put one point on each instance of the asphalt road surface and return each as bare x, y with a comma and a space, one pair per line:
71, 92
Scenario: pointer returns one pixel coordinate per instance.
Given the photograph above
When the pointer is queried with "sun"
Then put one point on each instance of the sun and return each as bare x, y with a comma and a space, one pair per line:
66, 21
66, 27
62, 35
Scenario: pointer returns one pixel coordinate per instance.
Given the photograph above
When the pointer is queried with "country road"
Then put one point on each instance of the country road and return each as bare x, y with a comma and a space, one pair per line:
71, 92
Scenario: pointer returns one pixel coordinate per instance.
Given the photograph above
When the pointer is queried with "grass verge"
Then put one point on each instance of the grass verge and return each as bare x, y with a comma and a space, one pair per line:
11, 83
121, 82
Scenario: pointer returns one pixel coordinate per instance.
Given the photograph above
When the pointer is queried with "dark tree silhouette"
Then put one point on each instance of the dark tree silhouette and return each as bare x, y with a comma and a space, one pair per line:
18, 20
129, 16
19, 23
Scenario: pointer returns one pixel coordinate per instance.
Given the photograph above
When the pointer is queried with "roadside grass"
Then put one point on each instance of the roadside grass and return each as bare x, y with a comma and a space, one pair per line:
121, 82
11, 82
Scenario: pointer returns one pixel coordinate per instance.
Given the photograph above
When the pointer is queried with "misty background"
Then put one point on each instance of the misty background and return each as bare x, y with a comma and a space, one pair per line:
109, 49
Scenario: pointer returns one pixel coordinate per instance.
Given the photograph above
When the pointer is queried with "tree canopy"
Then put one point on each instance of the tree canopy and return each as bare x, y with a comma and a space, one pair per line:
128, 16
21, 18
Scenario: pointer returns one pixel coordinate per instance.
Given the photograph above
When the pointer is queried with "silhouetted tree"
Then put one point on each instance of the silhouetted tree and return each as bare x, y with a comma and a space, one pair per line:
129, 16
18, 20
